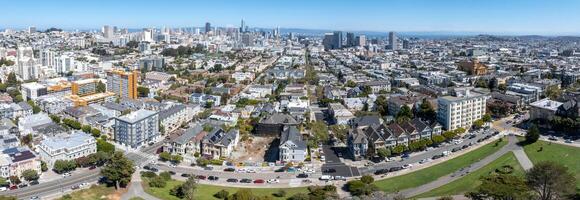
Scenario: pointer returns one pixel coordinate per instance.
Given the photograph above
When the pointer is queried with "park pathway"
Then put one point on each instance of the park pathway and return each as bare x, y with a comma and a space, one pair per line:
512, 146
136, 189
459, 174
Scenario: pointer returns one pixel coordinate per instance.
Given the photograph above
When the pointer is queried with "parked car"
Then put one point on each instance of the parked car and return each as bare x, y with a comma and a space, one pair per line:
35, 182
213, 178
381, 171
407, 166
437, 156
92, 167
75, 187
273, 181
172, 172
202, 177
302, 175
426, 160
325, 178
232, 180
394, 169
259, 181
229, 169
13, 187
67, 174
568, 141
341, 178
405, 156
246, 180
185, 175
329, 170
2, 189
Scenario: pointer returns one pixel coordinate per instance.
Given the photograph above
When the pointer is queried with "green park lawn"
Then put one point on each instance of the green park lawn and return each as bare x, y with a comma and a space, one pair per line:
566, 155
207, 191
472, 180
96, 192
432, 173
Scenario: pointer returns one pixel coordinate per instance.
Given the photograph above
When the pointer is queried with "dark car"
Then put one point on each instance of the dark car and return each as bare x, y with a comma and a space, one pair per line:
229, 169
480, 140
232, 180
437, 156
146, 167
153, 169
465, 146
394, 169
381, 171
75, 187
185, 175
302, 175
246, 180
92, 167
35, 182
172, 172
13, 187
201, 177
405, 156
455, 149
23, 185
329, 170
213, 178
471, 136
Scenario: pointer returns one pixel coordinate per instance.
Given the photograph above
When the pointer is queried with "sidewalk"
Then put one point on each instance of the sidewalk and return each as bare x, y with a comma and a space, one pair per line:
136, 189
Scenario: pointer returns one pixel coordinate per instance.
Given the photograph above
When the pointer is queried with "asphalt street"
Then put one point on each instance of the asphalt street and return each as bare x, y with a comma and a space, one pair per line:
416, 157
334, 163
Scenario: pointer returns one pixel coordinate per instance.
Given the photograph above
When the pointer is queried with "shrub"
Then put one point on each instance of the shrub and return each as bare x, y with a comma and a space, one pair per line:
157, 182
222, 194
165, 175
280, 193
148, 174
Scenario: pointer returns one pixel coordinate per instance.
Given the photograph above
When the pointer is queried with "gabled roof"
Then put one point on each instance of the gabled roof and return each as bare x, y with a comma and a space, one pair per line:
396, 130
279, 118
291, 134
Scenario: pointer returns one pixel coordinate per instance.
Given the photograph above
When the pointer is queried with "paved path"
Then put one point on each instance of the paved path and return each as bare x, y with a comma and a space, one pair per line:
523, 159
136, 190
459, 174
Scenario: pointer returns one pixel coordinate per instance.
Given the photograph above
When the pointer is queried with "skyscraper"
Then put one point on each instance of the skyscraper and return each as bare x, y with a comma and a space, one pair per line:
393, 41
107, 31
337, 40
243, 26
361, 40
207, 27
327, 41
350, 41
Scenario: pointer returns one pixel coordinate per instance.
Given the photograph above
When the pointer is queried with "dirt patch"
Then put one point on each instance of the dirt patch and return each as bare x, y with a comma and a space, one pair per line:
252, 150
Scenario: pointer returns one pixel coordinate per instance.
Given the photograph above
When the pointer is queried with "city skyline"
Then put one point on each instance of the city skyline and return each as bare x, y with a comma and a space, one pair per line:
512, 17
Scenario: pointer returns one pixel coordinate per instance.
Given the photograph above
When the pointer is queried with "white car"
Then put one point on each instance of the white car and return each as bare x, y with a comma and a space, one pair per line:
310, 171
66, 174
389, 159
2, 189
407, 166
322, 158
342, 178
250, 171
242, 170
273, 181
426, 160
82, 185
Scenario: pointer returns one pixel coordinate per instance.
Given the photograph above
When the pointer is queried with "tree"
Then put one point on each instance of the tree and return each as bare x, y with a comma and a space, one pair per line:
478, 123
165, 156
405, 114
62, 166
165, 175
55, 118
4, 182
15, 180
533, 134
118, 170
367, 179
399, 149
101, 87
438, 139
381, 105
30, 175
27, 139
43, 166
426, 111
12, 80
176, 159
383, 152
449, 135
500, 186
350, 83
486, 117
550, 180
553, 92
142, 91
35, 108
86, 128
95, 132
104, 146
99, 158
188, 188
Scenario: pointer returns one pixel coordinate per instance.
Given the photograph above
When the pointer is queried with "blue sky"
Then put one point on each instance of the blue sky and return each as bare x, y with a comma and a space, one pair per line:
492, 16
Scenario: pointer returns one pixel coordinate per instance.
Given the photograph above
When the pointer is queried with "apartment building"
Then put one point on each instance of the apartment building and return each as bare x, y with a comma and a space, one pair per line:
66, 147
137, 128
123, 83
462, 109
